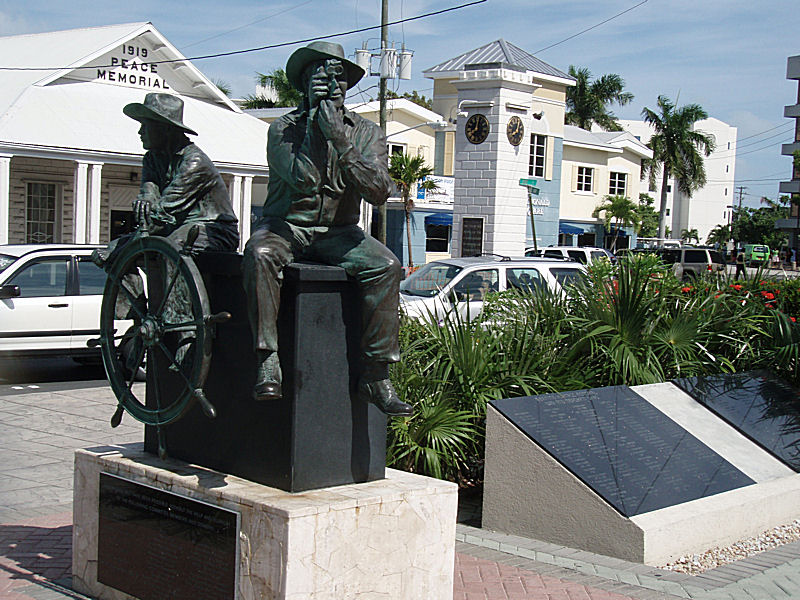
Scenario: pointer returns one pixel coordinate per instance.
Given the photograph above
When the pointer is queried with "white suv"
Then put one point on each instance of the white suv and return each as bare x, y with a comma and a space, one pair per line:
583, 255
50, 299
464, 282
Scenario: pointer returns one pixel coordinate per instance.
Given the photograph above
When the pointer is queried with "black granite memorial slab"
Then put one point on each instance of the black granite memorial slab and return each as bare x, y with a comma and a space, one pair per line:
622, 447
155, 544
320, 433
764, 408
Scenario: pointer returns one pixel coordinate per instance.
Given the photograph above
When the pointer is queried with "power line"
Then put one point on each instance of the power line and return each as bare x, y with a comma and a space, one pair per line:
267, 47
275, 14
765, 131
592, 27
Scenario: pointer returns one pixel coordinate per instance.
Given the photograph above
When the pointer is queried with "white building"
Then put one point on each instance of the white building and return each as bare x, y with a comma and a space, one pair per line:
596, 165
70, 160
711, 205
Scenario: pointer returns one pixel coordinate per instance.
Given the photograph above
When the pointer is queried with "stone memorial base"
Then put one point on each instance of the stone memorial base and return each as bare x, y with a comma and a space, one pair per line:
528, 492
391, 538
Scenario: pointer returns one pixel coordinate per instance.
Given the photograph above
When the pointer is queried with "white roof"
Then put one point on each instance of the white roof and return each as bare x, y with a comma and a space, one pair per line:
399, 104
69, 108
608, 141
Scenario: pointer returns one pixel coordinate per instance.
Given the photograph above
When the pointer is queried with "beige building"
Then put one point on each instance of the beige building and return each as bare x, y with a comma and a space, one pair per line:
70, 160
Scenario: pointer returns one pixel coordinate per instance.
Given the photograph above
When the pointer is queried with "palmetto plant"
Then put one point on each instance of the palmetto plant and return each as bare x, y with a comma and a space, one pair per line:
286, 93
405, 171
677, 150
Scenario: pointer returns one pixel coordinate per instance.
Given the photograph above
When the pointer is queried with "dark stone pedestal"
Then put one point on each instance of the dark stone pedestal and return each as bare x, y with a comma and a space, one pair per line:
320, 434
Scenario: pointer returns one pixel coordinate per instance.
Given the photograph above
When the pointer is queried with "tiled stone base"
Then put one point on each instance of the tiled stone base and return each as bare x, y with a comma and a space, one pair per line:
392, 538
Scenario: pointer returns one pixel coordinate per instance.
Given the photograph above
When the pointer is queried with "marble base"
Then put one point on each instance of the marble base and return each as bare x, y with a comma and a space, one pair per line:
392, 539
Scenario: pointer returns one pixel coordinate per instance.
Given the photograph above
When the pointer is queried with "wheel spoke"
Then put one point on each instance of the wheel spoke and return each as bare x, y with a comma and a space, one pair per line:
135, 369
187, 326
173, 360
152, 364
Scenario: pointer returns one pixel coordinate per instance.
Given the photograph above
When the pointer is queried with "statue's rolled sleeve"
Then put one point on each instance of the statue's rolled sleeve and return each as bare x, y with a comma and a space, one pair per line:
364, 161
294, 166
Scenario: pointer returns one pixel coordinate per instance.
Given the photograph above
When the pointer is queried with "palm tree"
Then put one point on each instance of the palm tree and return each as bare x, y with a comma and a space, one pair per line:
622, 210
676, 150
587, 102
719, 235
407, 170
285, 91
687, 235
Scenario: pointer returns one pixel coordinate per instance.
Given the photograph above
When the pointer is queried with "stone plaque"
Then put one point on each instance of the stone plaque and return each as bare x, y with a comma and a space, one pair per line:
155, 544
761, 406
622, 447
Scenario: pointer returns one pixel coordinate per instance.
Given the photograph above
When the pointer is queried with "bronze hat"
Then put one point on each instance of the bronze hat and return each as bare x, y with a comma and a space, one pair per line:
320, 51
165, 108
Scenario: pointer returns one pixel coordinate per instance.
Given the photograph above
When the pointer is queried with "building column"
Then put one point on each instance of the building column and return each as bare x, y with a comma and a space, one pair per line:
5, 196
95, 170
244, 218
80, 198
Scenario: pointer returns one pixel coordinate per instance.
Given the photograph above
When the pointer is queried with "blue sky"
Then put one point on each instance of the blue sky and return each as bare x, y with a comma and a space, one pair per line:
728, 56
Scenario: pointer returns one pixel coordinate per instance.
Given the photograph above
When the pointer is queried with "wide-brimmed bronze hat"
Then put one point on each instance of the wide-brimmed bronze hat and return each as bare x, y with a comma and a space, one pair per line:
317, 51
165, 108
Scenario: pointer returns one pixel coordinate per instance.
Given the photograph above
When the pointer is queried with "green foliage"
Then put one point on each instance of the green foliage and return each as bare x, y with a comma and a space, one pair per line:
690, 235
719, 235
253, 102
222, 86
648, 217
587, 101
414, 96
620, 210
757, 225
625, 324
405, 171
287, 94
677, 150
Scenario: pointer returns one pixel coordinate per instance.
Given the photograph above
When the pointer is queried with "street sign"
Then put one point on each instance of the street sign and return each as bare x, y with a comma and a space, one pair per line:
529, 183
533, 190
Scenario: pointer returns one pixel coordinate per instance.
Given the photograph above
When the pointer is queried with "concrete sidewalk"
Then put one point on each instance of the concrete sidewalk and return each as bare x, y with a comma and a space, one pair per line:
40, 427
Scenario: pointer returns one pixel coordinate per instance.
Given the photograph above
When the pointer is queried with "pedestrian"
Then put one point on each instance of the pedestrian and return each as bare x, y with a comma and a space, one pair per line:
740, 266
794, 260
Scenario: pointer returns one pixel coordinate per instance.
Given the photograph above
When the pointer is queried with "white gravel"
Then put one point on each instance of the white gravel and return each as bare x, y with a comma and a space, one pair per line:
695, 564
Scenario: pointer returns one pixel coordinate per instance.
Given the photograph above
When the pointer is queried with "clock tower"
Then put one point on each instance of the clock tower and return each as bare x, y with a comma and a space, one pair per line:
492, 150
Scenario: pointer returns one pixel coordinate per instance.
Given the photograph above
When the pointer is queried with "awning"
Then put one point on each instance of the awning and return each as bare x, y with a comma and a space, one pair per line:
570, 229
439, 219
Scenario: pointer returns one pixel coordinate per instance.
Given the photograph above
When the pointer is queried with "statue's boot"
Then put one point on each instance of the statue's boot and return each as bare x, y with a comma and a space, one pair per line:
268, 377
375, 387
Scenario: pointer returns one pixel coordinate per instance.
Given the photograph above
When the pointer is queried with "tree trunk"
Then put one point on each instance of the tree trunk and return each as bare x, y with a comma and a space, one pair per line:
614, 242
662, 211
408, 229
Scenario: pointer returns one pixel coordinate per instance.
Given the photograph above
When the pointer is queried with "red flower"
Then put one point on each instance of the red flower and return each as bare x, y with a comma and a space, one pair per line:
717, 295
686, 289
736, 286
793, 319
768, 295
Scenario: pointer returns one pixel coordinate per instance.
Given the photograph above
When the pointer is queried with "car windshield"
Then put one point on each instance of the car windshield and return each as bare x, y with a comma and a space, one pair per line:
429, 279
6, 260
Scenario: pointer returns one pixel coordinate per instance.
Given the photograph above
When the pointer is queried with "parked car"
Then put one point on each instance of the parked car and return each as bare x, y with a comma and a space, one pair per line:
688, 261
50, 297
439, 285
756, 255
583, 255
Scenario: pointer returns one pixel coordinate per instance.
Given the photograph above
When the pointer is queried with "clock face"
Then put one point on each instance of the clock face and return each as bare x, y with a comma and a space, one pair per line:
477, 128
515, 130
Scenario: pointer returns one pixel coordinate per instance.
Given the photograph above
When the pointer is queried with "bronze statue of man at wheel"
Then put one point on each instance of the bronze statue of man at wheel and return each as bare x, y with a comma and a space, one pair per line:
155, 309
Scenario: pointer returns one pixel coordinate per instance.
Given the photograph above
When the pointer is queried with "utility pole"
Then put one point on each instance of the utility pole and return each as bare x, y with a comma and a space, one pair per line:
741, 189
382, 102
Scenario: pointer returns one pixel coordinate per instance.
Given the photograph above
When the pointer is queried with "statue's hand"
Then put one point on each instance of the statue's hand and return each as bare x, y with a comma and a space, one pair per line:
141, 211
331, 123
319, 88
